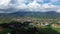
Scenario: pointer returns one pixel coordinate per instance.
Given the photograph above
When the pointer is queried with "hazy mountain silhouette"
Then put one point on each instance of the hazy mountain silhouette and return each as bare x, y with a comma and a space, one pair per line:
49, 14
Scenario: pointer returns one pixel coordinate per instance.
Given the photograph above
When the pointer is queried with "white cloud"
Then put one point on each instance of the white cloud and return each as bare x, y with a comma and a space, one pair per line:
24, 1
32, 5
40, 1
55, 2
21, 1
4, 4
58, 11
21, 6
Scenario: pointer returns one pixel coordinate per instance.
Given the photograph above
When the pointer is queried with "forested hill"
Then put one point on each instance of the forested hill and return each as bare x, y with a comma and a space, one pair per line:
49, 14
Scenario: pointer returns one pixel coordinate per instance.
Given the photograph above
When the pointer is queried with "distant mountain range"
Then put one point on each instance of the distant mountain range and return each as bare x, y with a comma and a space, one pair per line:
49, 14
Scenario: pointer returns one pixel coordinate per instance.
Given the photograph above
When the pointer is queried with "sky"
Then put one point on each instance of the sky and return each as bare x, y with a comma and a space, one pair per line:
9, 6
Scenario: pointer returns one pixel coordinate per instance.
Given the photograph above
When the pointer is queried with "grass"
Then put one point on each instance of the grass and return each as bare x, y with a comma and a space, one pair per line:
49, 30
57, 29
5, 31
46, 30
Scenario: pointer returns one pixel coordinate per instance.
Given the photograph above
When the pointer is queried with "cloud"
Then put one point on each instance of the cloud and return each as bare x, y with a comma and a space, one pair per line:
53, 1
58, 11
4, 4
40, 1
34, 6
31, 5
24, 1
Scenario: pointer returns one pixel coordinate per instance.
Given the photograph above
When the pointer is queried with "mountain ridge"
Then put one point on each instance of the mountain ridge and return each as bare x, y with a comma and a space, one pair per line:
49, 14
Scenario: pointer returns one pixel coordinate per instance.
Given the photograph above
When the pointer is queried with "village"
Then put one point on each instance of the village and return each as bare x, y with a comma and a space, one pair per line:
31, 24
40, 22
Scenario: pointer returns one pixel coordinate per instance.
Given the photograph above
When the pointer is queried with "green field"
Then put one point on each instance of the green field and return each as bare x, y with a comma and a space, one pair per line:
41, 30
